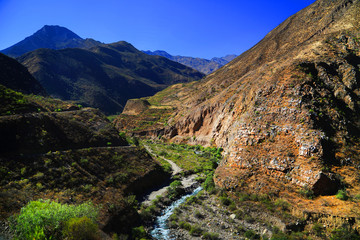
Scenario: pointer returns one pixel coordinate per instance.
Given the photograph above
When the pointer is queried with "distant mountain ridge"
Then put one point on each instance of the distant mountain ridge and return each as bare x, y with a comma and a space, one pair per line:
53, 37
105, 76
201, 64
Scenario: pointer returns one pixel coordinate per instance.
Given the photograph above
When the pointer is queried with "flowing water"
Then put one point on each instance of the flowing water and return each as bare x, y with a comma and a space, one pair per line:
161, 230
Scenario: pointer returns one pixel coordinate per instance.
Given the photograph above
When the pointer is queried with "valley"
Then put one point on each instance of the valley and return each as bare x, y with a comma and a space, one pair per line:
103, 141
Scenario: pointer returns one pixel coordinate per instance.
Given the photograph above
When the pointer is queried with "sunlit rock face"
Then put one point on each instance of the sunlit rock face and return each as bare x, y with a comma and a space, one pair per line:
287, 110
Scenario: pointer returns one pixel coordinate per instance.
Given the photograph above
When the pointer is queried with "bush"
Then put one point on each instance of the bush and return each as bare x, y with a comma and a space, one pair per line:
211, 236
44, 219
80, 229
209, 184
198, 214
175, 189
344, 234
139, 233
307, 193
251, 234
342, 195
283, 204
225, 201
318, 229
185, 225
279, 236
195, 231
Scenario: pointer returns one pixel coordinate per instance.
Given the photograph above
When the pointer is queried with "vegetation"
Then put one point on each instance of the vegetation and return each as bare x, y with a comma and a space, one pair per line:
13, 102
45, 219
82, 228
193, 159
342, 195
209, 184
175, 189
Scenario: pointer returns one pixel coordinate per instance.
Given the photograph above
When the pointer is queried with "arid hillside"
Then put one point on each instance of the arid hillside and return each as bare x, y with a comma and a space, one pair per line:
286, 111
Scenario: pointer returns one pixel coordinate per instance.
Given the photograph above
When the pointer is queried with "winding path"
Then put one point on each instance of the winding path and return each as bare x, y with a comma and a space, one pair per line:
175, 168
186, 181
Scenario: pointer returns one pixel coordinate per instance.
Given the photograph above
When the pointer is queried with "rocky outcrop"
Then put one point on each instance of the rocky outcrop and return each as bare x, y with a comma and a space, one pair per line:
135, 106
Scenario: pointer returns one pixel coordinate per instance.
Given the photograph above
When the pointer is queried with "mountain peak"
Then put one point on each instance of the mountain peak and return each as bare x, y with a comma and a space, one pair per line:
49, 36
56, 32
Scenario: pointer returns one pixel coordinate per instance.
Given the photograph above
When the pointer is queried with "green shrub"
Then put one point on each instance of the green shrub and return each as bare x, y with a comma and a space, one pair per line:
225, 201
342, 195
307, 193
198, 214
139, 233
195, 231
211, 236
283, 204
44, 219
344, 234
251, 234
209, 184
80, 229
175, 189
318, 229
279, 236
185, 225
163, 153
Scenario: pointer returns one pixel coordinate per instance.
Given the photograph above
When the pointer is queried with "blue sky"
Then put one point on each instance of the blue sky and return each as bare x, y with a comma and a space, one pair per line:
198, 28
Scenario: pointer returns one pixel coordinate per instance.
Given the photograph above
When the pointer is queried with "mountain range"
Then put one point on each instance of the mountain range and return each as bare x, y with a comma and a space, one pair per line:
53, 37
94, 74
203, 65
105, 76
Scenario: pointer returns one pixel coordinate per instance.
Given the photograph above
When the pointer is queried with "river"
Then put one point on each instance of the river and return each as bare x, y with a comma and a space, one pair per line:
161, 230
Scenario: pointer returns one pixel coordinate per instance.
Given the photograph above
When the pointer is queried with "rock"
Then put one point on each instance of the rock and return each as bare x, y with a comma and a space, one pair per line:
135, 106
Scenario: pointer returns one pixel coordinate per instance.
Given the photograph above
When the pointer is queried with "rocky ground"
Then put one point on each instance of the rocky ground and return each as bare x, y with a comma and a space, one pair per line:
209, 217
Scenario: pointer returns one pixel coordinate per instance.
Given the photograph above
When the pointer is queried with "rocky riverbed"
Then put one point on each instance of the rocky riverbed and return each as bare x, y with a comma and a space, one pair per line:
210, 219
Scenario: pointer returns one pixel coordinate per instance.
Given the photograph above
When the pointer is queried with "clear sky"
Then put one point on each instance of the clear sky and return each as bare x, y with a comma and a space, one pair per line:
197, 28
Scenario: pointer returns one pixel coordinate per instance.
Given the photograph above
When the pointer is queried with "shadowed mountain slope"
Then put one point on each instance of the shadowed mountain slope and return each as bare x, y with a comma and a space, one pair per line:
15, 76
105, 76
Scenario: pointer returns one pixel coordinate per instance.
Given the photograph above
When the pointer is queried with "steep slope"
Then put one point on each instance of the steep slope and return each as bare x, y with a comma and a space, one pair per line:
286, 112
203, 65
15, 76
53, 37
105, 76
54, 150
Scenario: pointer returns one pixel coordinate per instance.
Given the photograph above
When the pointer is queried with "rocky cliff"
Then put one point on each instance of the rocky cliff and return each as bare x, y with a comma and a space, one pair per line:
286, 111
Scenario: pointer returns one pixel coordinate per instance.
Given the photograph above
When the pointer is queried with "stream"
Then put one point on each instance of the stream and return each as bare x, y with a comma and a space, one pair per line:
161, 230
